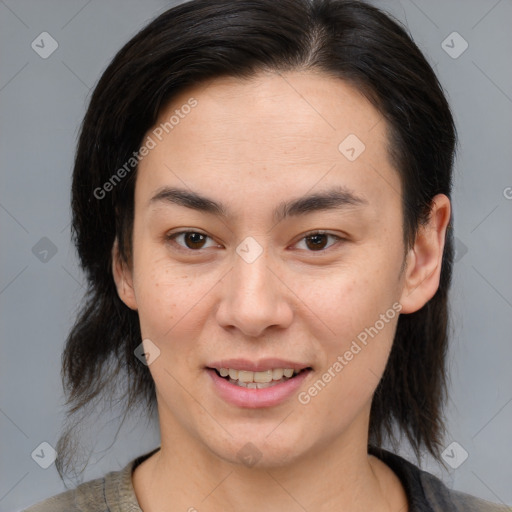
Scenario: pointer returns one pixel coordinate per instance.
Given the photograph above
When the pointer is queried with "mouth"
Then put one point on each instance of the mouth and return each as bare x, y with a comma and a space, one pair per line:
258, 379
248, 384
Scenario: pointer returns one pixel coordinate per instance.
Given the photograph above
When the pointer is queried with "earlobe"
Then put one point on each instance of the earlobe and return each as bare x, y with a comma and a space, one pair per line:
424, 260
123, 278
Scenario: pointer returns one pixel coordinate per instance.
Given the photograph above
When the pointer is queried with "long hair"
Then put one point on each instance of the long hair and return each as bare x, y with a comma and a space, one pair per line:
203, 39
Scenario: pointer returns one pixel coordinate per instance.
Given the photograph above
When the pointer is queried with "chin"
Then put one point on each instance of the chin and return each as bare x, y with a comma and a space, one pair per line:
259, 448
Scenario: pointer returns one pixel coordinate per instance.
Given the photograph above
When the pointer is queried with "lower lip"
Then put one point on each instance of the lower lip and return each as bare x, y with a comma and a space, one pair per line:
255, 398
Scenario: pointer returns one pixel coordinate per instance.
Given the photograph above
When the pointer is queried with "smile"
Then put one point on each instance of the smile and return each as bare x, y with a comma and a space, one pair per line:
255, 385
257, 380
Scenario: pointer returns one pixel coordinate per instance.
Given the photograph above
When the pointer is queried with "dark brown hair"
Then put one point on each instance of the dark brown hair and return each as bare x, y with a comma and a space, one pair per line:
204, 39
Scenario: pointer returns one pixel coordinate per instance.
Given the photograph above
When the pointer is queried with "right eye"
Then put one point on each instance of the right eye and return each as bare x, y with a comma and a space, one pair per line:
189, 240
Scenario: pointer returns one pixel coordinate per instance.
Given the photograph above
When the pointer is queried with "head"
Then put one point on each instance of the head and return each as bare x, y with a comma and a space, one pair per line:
217, 131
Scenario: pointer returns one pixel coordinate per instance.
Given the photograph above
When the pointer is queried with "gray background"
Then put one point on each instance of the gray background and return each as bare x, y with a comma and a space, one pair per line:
42, 102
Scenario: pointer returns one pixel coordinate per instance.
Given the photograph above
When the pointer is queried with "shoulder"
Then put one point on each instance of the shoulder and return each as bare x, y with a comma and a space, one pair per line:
112, 492
426, 492
443, 498
87, 497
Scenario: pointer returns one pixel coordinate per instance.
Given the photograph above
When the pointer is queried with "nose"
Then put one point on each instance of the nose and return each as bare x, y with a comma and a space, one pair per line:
254, 298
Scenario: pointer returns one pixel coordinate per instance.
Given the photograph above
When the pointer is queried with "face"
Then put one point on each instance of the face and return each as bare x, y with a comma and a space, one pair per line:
267, 237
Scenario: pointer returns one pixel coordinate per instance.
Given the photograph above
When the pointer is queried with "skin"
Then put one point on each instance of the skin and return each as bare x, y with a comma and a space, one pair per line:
252, 144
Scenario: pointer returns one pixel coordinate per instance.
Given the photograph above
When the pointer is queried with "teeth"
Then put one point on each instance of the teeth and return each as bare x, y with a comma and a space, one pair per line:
277, 373
260, 378
263, 377
256, 385
244, 376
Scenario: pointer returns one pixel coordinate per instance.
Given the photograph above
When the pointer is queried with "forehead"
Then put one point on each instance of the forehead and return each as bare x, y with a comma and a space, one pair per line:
271, 131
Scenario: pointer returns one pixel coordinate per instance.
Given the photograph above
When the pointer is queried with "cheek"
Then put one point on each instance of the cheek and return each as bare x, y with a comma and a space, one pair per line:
171, 299
356, 357
352, 299
161, 292
157, 301
357, 311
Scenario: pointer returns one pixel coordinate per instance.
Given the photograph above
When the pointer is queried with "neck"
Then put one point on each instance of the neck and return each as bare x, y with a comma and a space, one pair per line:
184, 475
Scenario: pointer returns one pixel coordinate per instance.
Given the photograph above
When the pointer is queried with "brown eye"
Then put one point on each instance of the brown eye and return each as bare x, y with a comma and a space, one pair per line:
194, 240
189, 240
318, 241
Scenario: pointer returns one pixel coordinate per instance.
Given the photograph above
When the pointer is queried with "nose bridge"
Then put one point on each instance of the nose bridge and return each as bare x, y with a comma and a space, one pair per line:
252, 275
253, 298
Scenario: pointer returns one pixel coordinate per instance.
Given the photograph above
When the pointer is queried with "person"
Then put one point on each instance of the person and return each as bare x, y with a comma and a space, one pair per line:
261, 204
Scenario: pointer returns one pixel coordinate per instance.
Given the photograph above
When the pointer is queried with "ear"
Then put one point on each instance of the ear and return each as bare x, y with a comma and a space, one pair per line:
123, 278
423, 262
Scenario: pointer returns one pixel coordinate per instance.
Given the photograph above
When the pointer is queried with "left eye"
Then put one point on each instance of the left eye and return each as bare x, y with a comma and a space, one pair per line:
317, 241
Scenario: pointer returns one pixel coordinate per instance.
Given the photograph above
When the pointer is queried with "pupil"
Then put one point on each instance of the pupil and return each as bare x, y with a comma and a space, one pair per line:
194, 238
318, 241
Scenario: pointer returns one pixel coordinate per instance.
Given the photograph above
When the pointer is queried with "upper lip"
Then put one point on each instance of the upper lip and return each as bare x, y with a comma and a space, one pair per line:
257, 366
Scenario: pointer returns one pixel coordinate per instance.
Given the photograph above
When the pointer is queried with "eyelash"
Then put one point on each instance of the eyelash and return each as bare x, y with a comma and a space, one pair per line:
172, 237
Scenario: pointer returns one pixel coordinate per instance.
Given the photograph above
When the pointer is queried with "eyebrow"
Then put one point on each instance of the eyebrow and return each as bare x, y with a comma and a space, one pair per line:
332, 199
